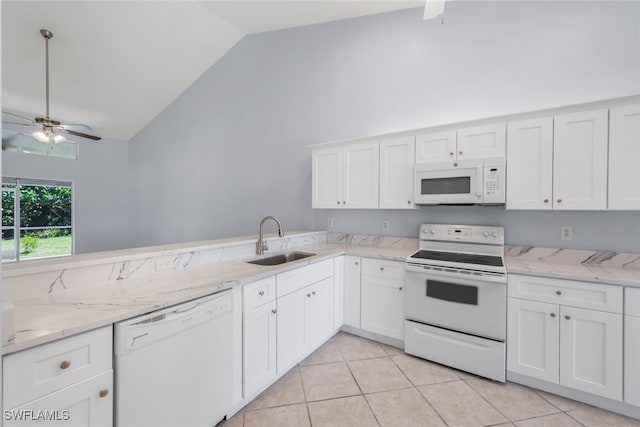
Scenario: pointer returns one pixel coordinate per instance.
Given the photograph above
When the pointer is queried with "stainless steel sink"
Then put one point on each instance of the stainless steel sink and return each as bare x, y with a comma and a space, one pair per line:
281, 258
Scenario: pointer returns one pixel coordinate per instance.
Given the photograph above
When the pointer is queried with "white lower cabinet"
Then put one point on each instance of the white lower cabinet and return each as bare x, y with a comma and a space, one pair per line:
632, 346
338, 292
576, 347
259, 341
382, 297
352, 269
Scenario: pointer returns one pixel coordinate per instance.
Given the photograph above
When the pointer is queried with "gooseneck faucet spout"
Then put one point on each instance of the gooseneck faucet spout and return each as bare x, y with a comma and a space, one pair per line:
261, 246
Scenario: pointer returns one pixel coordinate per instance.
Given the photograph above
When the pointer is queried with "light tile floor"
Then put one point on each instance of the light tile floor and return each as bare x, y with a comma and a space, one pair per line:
351, 381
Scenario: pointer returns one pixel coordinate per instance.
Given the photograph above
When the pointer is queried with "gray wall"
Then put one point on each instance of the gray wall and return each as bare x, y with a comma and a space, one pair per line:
233, 147
100, 190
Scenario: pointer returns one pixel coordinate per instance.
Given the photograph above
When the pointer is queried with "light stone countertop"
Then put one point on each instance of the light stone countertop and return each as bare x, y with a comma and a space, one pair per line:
51, 316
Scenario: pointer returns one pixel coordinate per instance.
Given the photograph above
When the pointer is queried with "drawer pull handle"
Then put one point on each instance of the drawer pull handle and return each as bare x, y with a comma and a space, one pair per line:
567, 317
553, 315
313, 292
558, 292
261, 293
65, 364
104, 392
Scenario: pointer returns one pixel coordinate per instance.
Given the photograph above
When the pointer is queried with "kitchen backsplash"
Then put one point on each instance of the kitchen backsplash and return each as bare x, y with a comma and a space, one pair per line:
366, 240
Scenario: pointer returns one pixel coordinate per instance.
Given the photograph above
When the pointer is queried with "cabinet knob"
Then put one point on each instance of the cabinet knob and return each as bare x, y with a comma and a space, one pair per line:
558, 292
104, 392
65, 364
451, 153
308, 295
274, 311
553, 315
567, 317
559, 200
313, 292
409, 202
400, 288
261, 293
460, 152
344, 202
546, 200
338, 201
381, 268
356, 262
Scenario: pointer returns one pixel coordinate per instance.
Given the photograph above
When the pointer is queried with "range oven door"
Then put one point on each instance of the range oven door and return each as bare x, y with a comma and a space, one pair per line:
444, 183
465, 304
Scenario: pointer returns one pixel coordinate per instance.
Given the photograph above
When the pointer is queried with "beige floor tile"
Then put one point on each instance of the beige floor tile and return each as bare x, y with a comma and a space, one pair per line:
555, 420
460, 406
560, 402
375, 375
391, 350
286, 391
329, 352
403, 408
516, 402
328, 381
423, 372
236, 421
595, 417
354, 348
282, 416
345, 412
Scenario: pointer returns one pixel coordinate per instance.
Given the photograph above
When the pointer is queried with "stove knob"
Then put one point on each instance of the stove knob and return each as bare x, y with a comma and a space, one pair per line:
433, 231
494, 234
485, 234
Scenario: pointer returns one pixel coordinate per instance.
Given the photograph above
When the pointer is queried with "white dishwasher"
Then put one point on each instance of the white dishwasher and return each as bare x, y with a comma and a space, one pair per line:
173, 366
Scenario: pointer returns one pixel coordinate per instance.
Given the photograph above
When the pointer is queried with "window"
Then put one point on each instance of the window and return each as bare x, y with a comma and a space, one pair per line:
36, 219
17, 142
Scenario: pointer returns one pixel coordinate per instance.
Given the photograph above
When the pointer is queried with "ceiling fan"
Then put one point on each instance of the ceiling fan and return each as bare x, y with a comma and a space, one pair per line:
49, 130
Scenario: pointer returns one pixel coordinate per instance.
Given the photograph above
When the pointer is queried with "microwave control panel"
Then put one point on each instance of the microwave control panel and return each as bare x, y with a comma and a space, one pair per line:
494, 188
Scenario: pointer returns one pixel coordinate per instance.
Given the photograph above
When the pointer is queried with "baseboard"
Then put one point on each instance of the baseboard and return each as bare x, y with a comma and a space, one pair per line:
373, 336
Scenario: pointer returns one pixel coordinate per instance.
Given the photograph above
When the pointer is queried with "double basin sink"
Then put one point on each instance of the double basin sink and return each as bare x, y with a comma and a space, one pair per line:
281, 258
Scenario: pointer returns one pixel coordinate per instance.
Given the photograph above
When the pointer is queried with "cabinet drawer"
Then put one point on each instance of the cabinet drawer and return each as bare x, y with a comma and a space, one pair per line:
392, 270
567, 292
260, 292
299, 278
632, 301
38, 371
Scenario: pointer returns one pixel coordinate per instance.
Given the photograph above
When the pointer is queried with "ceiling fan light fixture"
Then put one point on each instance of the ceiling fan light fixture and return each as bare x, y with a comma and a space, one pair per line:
48, 137
41, 136
433, 8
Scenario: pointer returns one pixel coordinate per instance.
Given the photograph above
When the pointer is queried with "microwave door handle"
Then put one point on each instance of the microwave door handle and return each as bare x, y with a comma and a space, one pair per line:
480, 181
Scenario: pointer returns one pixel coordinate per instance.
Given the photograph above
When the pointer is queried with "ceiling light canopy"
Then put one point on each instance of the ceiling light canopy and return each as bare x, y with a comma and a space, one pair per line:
433, 8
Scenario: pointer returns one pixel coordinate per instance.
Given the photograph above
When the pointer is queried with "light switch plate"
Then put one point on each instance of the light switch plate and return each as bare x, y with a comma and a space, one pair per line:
385, 225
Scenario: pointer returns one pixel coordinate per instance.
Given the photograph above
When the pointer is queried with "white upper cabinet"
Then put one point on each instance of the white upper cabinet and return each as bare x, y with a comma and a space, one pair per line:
624, 157
360, 175
327, 178
580, 161
530, 164
436, 147
478, 142
396, 173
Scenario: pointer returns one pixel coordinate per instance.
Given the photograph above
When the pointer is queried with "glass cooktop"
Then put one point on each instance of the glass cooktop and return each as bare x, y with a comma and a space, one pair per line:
463, 258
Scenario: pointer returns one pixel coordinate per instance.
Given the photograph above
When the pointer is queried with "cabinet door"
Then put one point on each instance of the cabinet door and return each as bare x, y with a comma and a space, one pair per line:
396, 173
533, 339
292, 329
360, 175
88, 403
591, 351
631, 360
480, 142
352, 269
259, 355
580, 161
436, 146
382, 306
624, 157
530, 164
326, 177
338, 292
320, 312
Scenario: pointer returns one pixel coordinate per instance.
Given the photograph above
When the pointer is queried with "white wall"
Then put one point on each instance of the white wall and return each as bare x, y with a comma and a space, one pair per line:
100, 190
232, 148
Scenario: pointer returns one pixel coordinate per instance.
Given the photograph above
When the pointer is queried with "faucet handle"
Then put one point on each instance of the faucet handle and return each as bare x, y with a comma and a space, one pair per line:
264, 246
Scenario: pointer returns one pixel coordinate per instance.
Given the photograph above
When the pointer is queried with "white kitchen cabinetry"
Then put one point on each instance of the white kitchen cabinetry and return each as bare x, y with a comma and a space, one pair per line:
382, 297
396, 173
530, 164
346, 176
476, 142
566, 332
259, 337
352, 268
624, 157
305, 304
73, 374
580, 161
632, 346
338, 292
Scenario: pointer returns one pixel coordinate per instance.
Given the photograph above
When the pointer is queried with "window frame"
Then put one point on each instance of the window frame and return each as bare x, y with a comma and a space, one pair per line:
18, 229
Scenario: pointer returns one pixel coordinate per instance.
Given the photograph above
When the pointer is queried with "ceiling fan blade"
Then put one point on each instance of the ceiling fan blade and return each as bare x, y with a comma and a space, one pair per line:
22, 124
77, 127
79, 134
17, 116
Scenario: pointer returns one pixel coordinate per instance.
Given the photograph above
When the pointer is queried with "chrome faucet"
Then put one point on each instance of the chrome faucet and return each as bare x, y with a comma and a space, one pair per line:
261, 246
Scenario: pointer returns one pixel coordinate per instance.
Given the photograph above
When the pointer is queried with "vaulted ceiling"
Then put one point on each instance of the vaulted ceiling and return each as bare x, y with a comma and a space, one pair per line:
116, 64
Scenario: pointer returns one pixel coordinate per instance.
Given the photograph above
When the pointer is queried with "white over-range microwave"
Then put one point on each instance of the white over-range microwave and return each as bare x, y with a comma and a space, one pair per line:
480, 181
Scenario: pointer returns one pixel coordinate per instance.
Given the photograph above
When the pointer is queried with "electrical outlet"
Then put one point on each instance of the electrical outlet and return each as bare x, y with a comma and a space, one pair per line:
330, 222
566, 233
385, 225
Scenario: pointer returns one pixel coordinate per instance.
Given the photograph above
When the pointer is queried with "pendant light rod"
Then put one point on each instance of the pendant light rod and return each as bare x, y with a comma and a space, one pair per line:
47, 35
